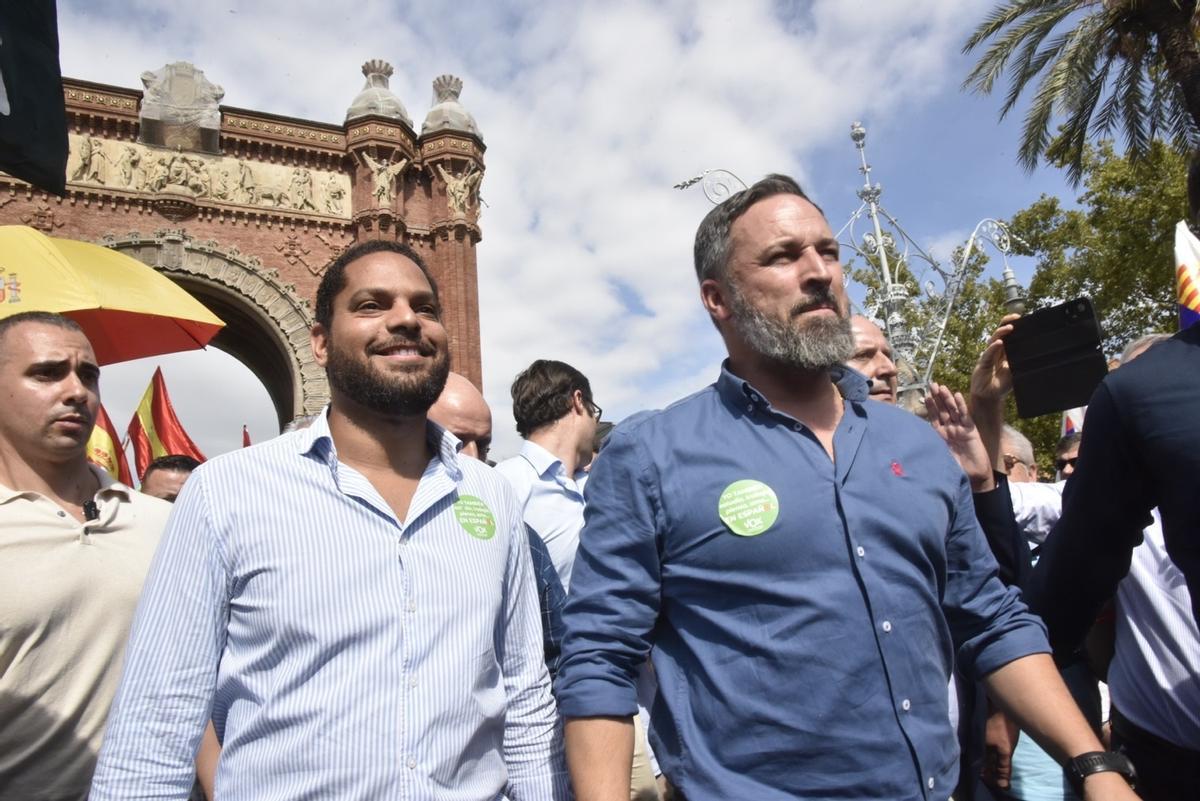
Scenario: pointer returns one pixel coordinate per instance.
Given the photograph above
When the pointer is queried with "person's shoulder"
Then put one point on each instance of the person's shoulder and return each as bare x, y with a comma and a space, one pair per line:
148, 509
278, 450
514, 467
895, 418
487, 482
1170, 361
681, 412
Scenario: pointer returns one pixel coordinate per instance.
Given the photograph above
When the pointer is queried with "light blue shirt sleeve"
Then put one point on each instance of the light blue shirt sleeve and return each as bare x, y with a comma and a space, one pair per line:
175, 644
533, 750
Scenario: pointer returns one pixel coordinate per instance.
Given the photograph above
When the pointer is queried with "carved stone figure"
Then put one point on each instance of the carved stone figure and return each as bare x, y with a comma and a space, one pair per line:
91, 161
276, 196
126, 162
334, 195
300, 190
385, 175
247, 187
461, 190
156, 180
218, 182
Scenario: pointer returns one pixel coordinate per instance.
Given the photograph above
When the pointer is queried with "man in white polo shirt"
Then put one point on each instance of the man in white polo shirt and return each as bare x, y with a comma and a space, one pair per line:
74, 548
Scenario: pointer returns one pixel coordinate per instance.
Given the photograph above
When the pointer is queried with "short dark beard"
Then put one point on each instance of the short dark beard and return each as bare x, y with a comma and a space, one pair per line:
402, 396
818, 345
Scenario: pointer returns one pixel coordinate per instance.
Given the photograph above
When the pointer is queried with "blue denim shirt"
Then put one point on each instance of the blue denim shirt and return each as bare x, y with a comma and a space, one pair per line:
809, 659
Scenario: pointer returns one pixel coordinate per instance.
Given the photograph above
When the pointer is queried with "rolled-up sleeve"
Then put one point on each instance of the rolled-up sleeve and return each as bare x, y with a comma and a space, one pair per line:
175, 645
989, 623
614, 600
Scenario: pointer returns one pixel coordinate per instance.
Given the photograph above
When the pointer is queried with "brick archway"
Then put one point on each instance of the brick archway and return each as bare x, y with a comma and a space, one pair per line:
267, 325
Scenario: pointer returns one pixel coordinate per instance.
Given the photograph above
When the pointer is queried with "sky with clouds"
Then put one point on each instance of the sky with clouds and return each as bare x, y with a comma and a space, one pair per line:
591, 112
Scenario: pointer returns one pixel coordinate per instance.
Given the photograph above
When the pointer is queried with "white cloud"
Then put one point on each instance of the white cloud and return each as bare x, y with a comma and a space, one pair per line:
591, 111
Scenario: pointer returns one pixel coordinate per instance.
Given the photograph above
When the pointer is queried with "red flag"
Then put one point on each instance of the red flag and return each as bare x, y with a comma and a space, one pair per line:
245, 438
104, 449
155, 430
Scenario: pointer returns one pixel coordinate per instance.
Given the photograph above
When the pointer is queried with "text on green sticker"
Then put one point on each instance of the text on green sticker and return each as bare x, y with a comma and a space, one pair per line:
475, 517
748, 507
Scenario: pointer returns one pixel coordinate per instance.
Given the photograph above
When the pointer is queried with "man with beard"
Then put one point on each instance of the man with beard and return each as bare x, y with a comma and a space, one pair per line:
74, 548
353, 602
803, 567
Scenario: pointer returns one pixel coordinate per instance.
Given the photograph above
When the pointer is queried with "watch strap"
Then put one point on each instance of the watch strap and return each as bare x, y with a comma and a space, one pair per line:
1085, 765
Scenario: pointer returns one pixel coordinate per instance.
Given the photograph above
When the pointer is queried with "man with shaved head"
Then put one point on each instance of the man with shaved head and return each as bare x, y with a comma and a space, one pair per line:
873, 358
462, 411
74, 548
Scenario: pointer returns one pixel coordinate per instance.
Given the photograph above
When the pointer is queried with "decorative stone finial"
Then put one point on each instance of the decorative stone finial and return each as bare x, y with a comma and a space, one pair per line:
448, 113
379, 69
376, 98
446, 88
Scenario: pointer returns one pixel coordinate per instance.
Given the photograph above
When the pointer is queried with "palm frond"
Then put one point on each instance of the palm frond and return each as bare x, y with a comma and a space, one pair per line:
1075, 63
1004, 16
1022, 39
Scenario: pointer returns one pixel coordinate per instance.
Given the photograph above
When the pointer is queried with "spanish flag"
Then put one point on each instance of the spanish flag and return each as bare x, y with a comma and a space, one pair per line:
155, 430
104, 449
1187, 275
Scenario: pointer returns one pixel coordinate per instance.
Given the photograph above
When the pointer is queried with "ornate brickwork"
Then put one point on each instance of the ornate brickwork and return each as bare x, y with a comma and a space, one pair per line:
248, 207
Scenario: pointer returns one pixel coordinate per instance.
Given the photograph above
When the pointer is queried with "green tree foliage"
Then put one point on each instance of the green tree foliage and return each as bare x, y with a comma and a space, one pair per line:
1106, 67
1117, 247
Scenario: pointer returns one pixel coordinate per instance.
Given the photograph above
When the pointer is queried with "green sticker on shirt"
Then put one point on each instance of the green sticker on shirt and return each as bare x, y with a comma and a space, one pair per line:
475, 517
748, 507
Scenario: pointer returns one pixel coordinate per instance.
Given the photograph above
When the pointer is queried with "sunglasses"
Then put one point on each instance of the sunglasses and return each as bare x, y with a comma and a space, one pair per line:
1061, 464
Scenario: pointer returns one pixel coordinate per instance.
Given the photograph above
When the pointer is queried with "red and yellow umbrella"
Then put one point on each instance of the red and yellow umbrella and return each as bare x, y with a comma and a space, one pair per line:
126, 308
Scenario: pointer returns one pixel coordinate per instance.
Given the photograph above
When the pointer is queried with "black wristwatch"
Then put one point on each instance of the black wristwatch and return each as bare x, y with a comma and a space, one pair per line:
1085, 765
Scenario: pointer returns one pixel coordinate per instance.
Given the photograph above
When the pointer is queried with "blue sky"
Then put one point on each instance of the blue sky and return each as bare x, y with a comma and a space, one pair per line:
591, 112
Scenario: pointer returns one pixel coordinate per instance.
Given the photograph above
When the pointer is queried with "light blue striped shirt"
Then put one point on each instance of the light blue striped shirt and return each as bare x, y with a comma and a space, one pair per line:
341, 652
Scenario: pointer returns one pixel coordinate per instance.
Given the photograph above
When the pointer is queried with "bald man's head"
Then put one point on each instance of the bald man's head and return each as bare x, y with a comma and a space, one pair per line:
462, 411
873, 358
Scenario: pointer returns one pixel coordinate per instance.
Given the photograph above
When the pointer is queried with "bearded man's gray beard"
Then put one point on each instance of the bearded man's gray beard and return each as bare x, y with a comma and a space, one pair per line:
819, 344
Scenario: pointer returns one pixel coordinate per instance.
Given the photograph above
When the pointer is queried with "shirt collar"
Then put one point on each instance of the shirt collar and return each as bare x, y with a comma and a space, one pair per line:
318, 442
543, 462
108, 486
736, 390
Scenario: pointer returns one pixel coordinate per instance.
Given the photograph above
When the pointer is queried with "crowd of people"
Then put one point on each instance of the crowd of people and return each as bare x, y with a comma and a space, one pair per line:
784, 586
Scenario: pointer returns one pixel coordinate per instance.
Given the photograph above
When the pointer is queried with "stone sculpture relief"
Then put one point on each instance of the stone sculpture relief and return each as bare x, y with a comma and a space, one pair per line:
461, 190
385, 177
138, 168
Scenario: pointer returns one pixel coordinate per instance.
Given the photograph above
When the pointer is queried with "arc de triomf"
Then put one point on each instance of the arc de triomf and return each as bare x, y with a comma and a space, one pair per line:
245, 208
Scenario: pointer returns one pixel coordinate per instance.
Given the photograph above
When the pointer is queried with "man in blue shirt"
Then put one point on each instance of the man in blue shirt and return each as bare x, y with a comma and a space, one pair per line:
805, 565
352, 603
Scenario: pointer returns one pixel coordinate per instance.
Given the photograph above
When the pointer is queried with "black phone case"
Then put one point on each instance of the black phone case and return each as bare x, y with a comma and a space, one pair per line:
1056, 357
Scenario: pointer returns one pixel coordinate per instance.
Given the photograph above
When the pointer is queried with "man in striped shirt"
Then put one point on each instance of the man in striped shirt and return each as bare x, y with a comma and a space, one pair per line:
352, 603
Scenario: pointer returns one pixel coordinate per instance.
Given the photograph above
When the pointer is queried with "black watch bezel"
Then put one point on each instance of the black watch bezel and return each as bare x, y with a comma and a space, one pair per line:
1085, 765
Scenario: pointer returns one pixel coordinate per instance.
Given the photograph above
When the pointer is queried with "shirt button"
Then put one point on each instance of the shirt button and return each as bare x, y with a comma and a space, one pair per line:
412, 763
906, 705
887, 626
412, 606
861, 551
61, 513
413, 683
929, 783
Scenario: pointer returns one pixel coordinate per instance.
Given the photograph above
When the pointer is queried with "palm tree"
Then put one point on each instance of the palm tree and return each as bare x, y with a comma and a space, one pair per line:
1114, 65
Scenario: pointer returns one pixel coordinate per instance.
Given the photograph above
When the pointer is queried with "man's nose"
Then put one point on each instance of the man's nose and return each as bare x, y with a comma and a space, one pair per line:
402, 316
74, 389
